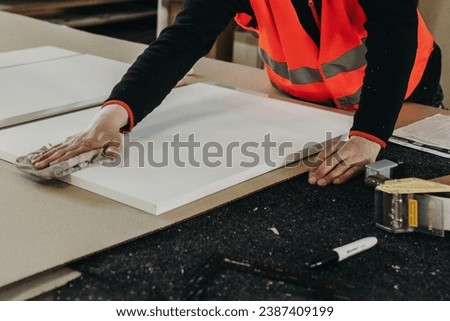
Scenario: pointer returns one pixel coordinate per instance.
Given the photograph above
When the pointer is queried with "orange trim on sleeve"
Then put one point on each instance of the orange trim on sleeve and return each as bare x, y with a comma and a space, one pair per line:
128, 128
373, 138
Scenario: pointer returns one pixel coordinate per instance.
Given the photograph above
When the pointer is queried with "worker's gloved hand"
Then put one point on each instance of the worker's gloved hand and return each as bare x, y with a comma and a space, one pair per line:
342, 160
102, 134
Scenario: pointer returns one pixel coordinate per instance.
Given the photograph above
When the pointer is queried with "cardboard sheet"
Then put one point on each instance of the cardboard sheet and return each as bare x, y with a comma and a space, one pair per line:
48, 81
38, 285
233, 136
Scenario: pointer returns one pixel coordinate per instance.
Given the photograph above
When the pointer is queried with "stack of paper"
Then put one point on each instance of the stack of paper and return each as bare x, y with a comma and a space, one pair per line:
431, 135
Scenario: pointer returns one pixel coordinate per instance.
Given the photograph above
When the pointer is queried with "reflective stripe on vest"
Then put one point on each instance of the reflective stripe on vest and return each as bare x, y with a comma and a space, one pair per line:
345, 102
299, 76
350, 100
349, 61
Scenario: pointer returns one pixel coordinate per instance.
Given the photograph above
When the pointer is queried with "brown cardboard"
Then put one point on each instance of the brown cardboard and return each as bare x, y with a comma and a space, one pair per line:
36, 286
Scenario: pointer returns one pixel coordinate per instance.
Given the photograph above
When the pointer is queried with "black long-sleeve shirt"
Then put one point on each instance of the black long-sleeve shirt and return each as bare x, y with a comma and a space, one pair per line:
391, 49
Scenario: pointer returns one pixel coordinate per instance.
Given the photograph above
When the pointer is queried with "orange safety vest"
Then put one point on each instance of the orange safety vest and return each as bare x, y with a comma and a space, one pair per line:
332, 73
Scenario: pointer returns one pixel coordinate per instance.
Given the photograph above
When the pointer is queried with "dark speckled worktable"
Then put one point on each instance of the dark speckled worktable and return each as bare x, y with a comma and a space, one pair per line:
168, 265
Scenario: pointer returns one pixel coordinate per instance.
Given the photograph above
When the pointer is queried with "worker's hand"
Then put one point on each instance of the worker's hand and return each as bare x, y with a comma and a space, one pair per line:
184, 81
102, 133
343, 160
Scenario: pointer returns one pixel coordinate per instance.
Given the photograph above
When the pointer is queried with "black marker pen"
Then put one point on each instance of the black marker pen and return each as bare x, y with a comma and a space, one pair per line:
341, 253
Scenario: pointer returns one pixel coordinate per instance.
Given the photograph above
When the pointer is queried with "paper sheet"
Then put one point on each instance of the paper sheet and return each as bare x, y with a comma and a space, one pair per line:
431, 135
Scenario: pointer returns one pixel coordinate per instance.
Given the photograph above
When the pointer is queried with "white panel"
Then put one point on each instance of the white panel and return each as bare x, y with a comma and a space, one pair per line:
26, 56
36, 90
211, 113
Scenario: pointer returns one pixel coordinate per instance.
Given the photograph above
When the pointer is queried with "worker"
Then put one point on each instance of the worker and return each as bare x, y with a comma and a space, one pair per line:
364, 55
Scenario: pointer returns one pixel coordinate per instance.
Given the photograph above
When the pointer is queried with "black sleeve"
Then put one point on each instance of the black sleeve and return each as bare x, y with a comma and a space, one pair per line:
391, 50
150, 79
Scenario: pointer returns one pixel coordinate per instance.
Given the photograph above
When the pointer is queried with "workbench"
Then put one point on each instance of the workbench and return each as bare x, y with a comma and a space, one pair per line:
282, 226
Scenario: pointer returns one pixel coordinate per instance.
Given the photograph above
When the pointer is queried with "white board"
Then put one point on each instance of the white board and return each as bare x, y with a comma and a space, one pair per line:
53, 84
215, 116
32, 55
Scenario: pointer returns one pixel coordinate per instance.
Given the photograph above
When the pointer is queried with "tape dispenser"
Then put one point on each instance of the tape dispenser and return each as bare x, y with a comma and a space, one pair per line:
408, 204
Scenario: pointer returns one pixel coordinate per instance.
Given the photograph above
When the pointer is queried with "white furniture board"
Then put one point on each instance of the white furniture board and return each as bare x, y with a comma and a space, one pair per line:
32, 55
212, 114
48, 87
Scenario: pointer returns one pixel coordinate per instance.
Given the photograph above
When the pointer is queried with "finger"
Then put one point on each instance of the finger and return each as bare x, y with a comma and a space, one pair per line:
326, 152
346, 169
57, 155
312, 162
332, 147
47, 153
327, 166
181, 82
50, 158
337, 171
71, 140
71, 153
351, 172
336, 168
